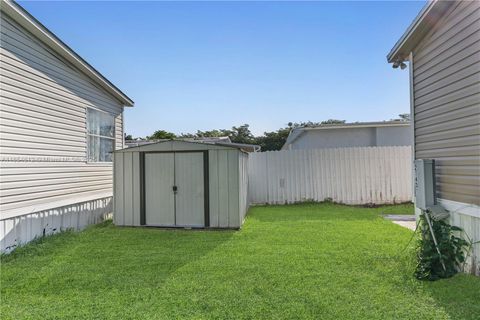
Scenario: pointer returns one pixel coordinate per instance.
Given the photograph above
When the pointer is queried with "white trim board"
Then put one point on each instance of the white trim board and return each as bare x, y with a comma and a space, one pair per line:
9, 214
460, 207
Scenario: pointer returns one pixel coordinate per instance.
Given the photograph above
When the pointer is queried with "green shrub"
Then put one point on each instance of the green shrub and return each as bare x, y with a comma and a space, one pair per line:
453, 250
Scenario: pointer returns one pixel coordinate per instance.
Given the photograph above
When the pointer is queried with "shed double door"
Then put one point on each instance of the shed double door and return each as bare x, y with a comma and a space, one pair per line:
174, 189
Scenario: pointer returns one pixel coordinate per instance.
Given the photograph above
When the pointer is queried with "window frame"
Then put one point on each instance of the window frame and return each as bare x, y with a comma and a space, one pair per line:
88, 135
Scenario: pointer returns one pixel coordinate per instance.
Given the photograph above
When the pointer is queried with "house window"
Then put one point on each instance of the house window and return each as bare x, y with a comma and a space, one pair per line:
100, 136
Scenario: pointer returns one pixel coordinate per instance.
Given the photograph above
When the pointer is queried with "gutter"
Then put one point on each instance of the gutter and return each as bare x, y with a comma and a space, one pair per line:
360, 125
410, 30
421, 25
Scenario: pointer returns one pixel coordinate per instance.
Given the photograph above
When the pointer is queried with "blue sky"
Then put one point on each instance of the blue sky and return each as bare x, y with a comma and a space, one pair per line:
211, 65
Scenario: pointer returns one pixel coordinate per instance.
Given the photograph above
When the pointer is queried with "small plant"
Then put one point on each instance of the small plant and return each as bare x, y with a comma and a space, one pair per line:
453, 250
328, 200
370, 205
312, 201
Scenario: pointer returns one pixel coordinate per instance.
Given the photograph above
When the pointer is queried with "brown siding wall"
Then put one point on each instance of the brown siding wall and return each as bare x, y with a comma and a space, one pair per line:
446, 80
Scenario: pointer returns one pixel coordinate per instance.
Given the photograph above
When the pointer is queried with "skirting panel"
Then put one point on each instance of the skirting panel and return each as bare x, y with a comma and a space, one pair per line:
19, 230
467, 217
471, 226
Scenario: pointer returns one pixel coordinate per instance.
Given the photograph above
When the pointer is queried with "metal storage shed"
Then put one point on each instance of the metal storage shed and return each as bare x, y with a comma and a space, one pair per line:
180, 184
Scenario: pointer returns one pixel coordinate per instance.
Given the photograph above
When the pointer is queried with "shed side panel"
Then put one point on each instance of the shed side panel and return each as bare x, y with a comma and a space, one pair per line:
223, 190
233, 189
136, 188
214, 188
128, 188
118, 206
243, 184
446, 80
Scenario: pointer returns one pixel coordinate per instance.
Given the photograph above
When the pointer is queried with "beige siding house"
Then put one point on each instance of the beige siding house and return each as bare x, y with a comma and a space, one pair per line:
443, 49
60, 121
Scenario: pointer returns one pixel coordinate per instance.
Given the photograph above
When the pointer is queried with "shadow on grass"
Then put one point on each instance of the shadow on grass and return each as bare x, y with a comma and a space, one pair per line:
459, 296
105, 257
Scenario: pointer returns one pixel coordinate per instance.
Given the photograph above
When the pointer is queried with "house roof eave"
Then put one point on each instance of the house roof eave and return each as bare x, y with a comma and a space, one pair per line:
31, 24
423, 22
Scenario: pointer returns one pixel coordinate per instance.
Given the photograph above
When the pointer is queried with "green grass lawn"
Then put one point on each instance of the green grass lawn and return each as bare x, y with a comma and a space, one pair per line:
310, 261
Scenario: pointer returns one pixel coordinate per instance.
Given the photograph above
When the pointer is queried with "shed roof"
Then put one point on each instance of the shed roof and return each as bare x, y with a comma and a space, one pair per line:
27, 21
424, 21
180, 145
221, 141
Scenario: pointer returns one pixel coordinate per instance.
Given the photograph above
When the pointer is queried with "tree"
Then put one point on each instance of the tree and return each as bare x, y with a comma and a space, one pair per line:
404, 116
273, 140
161, 134
213, 133
128, 137
269, 141
242, 134
186, 135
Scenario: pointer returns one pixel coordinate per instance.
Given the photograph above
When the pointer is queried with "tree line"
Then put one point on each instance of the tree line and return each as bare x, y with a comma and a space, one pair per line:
268, 141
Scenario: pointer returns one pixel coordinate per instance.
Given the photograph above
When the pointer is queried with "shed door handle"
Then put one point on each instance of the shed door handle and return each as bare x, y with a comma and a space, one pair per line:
175, 189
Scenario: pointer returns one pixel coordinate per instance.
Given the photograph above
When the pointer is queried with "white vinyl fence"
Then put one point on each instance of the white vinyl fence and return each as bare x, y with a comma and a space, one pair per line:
349, 175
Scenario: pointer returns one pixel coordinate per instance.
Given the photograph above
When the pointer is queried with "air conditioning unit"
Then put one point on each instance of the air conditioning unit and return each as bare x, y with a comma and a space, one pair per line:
425, 193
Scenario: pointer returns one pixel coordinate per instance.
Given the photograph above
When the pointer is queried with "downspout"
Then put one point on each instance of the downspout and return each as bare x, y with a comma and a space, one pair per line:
412, 124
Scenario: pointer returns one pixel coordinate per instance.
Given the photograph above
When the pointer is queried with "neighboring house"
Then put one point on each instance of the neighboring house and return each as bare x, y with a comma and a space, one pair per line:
443, 49
60, 122
360, 134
